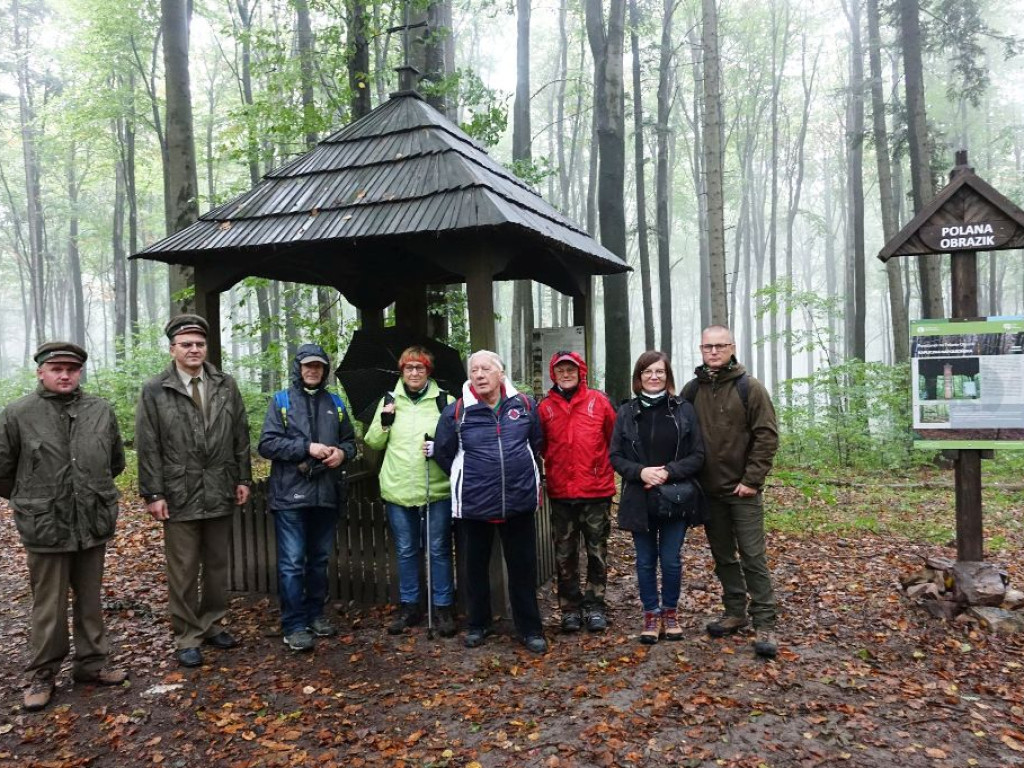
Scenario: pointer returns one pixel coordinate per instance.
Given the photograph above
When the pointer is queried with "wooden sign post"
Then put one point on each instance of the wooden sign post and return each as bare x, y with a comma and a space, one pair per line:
967, 216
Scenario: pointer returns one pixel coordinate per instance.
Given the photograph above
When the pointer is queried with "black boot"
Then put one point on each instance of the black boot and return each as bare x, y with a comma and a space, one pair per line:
408, 616
444, 616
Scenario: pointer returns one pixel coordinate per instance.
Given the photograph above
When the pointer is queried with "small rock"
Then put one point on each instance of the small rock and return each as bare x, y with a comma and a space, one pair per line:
941, 609
997, 620
926, 591
979, 583
938, 563
918, 577
1013, 599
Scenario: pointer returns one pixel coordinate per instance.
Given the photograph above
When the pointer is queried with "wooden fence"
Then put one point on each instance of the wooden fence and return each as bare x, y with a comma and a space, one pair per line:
363, 568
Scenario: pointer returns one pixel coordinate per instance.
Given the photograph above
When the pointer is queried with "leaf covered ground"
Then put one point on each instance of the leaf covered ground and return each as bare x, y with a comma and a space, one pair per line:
862, 678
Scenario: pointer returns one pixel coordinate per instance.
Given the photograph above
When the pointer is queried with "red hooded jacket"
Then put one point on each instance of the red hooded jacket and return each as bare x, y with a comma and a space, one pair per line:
577, 434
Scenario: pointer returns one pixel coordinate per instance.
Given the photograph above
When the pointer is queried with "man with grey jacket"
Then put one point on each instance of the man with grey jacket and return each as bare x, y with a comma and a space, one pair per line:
192, 440
60, 450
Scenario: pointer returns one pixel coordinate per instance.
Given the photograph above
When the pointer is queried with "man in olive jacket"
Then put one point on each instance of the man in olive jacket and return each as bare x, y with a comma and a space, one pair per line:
741, 437
192, 439
60, 450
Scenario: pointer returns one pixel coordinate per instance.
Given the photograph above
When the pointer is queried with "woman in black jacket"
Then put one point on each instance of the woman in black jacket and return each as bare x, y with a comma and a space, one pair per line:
656, 441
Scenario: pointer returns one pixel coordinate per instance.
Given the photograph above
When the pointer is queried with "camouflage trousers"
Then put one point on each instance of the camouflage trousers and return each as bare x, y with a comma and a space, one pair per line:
568, 521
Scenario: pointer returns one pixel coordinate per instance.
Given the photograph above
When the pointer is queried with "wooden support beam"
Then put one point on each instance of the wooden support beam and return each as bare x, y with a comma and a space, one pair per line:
967, 469
480, 298
411, 308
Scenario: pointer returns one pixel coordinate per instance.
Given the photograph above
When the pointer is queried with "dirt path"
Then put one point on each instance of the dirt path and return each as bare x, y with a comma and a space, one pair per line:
862, 680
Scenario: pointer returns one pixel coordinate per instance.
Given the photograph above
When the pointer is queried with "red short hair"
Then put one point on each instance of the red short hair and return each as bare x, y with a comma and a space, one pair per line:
417, 354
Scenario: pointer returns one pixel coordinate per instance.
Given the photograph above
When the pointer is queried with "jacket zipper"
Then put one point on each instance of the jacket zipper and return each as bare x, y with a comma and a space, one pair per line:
501, 461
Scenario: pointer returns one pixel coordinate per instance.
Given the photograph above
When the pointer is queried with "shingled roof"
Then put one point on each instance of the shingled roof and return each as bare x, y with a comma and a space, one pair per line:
402, 190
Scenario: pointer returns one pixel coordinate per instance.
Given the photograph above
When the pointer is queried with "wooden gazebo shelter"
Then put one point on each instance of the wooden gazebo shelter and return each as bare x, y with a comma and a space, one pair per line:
396, 201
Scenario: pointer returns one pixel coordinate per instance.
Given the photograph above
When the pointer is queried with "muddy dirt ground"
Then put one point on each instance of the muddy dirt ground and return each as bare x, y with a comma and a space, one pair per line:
862, 679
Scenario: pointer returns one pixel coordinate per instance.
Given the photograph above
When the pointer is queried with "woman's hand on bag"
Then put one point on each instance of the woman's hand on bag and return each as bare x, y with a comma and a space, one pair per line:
653, 476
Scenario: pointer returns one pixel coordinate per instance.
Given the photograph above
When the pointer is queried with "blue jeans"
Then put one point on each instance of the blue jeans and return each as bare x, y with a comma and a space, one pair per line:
305, 538
407, 528
662, 542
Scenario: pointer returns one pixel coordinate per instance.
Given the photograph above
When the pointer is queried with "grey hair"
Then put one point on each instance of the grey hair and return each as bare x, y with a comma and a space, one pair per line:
492, 356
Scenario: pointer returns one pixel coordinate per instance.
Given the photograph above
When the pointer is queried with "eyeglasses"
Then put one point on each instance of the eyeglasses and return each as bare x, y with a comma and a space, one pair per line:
190, 344
714, 347
414, 367
649, 373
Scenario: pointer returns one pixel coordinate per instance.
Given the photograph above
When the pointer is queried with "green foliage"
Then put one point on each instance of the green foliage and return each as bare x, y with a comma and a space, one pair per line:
455, 308
533, 172
487, 107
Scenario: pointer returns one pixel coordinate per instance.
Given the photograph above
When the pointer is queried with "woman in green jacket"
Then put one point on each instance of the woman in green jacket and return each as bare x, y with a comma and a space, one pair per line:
403, 427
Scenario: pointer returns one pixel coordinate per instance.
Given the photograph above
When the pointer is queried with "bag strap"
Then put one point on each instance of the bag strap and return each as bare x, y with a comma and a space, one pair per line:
282, 400
689, 392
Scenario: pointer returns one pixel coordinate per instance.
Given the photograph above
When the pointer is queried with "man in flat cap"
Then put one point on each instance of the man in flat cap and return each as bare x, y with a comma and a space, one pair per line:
192, 440
60, 450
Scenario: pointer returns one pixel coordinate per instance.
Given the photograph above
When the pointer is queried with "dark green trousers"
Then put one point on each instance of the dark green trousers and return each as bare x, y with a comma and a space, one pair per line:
197, 578
736, 535
51, 576
568, 521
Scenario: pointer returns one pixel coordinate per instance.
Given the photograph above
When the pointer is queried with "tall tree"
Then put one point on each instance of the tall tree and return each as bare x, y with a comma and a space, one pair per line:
661, 174
857, 298
606, 46
714, 141
181, 206
920, 153
522, 155
897, 309
643, 249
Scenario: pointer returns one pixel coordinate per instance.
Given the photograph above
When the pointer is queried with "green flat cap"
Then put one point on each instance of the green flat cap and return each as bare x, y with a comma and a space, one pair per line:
186, 324
60, 352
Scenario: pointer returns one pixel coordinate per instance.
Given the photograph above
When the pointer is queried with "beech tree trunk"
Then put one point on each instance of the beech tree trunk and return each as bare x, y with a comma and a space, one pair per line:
890, 219
917, 135
661, 175
606, 45
643, 250
714, 141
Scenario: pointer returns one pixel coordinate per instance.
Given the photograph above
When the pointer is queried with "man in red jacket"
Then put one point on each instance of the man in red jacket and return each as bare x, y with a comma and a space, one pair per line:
578, 423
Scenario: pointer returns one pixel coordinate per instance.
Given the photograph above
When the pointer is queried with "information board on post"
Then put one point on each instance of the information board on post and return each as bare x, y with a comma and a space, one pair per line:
967, 383
547, 341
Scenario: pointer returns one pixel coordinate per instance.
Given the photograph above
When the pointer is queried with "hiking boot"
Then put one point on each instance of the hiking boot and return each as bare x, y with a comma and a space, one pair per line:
105, 676
596, 620
726, 625
444, 617
535, 643
321, 627
475, 636
652, 628
39, 691
765, 644
189, 657
300, 640
408, 616
571, 622
671, 624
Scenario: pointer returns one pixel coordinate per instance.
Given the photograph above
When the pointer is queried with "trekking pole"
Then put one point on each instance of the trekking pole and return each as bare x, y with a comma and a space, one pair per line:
430, 579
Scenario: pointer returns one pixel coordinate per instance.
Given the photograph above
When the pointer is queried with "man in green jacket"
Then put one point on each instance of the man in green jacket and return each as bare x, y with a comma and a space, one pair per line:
60, 450
741, 437
192, 440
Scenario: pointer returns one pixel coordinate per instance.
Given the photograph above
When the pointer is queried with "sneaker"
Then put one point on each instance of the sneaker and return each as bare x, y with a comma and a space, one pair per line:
300, 640
671, 624
444, 617
39, 691
572, 622
726, 625
408, 616
321, 627
475, 636
535, 643
596, 620
652, 628
765, 644
105, 676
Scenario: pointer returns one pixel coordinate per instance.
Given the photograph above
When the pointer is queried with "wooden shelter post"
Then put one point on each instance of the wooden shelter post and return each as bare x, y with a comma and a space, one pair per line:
480, 298
209, 284
967, 466
581, 315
